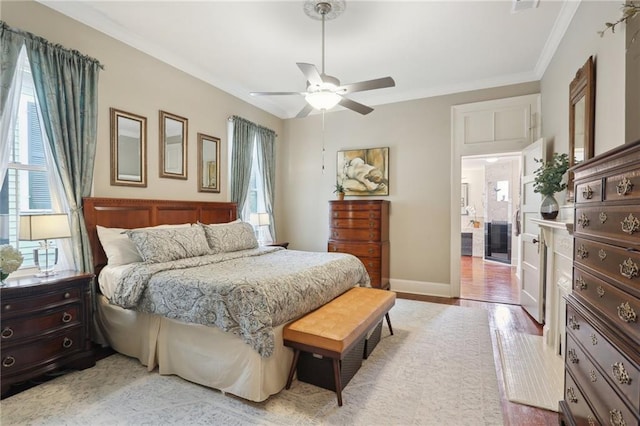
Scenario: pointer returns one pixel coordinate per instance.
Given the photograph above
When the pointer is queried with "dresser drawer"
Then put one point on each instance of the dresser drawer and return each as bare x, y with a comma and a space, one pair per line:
355, 214
580, 409
371, 263
43, 351
589, 192
619, 265
42, 301
356, 249
616, 305
355, 234
623, 186
372, 223
14, 329
620, 224
621, 371
603, 397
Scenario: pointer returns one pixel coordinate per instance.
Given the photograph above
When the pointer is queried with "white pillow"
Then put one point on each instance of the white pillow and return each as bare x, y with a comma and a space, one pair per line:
119, 249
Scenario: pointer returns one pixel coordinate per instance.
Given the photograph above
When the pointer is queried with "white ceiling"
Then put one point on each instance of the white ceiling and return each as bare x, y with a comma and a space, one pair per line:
430, 48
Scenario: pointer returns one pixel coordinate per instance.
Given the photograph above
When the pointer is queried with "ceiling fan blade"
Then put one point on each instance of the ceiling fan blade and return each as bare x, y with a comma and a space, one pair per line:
275, 93
355, 106
378, 83
304, 111
311, 73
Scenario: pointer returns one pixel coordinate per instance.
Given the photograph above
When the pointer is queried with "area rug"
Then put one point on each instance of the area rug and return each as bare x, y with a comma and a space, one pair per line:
533, 373
438, 368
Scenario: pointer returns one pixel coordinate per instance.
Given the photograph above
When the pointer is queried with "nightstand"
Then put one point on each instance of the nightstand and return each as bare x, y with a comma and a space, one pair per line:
45, 324
284, 244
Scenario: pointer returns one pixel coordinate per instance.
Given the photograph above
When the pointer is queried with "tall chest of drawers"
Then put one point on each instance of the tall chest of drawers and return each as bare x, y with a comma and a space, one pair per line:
602, 374
45, 324
361, 228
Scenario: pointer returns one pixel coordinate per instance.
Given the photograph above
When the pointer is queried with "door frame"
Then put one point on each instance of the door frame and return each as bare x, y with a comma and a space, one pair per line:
460, 149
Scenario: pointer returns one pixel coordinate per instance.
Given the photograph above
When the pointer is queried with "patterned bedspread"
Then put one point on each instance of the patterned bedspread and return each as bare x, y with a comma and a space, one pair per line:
246, 292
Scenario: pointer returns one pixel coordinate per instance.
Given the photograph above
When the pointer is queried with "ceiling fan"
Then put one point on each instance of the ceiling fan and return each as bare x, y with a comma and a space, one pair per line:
324, 91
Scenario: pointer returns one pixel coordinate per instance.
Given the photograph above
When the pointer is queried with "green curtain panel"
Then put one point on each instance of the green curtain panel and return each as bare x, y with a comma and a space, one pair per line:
266, 140
244, 134
10, 44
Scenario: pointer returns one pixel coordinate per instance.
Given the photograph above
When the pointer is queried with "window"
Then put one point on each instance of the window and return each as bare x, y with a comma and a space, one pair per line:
27, 185
254, 208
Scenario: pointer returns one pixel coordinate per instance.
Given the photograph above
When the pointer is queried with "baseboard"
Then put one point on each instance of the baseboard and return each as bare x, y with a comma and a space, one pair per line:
421, 287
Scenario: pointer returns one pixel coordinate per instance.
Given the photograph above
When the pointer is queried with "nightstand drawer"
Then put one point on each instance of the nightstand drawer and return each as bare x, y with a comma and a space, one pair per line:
42, 301
45, 350
15, 329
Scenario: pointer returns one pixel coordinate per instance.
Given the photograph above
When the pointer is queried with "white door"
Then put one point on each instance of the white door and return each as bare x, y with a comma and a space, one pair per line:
531, 251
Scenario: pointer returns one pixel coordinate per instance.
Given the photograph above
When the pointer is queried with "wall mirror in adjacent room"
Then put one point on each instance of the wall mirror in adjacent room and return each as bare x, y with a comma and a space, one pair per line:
173, 146
128, 148
208, 163
582, 108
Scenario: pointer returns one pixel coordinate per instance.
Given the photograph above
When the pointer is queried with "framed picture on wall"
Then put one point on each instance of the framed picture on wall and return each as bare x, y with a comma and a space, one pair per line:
364, 171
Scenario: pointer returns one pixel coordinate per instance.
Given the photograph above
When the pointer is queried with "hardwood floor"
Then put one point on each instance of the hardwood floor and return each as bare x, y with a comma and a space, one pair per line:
488, 281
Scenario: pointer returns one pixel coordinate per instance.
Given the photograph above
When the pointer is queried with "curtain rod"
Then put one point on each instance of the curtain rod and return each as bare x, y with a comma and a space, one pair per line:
231, 118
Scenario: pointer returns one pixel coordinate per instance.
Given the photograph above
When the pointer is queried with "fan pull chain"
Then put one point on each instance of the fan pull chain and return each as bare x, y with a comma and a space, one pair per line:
323, 149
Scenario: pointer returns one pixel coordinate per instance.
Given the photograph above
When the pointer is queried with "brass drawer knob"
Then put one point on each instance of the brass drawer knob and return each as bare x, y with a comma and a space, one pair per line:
593, 376
6, 307
626, 313
620, 373
591, 420
624, 187
603, 217
602, 255
571, 354
7, 332
573, 323
67, 343
630, 224
8, 361
616, 418
581, 283
66, 317
629, 269
582, 252
571, 395
583, 220
600, 291
67, 295
594, 339
587, 192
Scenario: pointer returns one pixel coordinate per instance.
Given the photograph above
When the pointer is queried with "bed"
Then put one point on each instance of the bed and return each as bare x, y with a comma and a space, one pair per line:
233, 361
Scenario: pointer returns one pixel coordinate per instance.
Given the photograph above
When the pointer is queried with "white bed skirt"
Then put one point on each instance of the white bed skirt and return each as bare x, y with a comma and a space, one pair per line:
204, 355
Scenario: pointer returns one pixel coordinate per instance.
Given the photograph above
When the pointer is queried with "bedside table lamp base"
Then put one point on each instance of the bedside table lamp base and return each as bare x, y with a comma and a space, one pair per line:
41, 256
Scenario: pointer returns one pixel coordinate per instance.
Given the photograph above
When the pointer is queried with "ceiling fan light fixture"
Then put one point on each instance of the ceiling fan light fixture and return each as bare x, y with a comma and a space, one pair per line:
322, 100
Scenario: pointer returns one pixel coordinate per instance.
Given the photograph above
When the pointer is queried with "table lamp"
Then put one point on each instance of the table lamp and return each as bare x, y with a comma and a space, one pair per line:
258, 220
44, 227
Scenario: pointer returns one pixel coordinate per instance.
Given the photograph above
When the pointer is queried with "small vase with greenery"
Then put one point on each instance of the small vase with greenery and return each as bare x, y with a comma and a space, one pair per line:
339, 191
548, 181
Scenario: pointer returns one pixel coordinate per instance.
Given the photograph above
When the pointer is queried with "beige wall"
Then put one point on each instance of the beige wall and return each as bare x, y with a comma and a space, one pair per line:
580, 42
135, 82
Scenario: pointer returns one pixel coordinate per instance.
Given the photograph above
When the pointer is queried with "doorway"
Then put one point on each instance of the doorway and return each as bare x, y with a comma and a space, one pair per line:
490, 249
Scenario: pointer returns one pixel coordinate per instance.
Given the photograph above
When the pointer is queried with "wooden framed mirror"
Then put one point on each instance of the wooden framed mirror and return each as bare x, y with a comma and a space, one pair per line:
173, 146
582, 108
128, 148
208, 163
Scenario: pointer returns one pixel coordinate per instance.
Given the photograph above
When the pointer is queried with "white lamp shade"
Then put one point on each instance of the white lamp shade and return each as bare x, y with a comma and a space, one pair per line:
259, 219
323, 99
44, 227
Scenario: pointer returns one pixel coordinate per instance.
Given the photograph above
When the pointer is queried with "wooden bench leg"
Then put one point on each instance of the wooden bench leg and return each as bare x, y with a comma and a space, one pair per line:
338, 382
389, 323
294, 364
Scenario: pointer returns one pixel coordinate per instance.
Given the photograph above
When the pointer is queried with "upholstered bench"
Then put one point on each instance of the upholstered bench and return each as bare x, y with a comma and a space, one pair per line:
337, 331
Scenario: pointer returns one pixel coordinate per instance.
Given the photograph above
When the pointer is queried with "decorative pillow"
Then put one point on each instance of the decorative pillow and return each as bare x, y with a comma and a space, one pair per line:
119, 249
227, 237
165, 245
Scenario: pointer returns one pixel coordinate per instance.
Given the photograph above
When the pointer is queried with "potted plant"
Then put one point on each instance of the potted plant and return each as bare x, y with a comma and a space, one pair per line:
472, 211
339, 191
548, 181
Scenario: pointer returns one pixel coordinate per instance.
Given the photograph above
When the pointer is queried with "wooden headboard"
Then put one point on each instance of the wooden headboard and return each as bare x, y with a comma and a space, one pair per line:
135, 213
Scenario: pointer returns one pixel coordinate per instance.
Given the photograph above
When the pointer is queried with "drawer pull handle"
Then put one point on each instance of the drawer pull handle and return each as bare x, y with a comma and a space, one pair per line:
573, 323
67, 295
591, 420
571, 354
581, 283
7, 307
587, 192
600, 291
624, 187
571, 395
626, 313
582, 252
371, 236
630, 224
603, 217
593, 376
629, 269
335, 234
371, 251
620, 373
594, 339
8, 361
335, 249
66, 317
583, 221
372, 224
616, 418
7, 332
602, 255
67, 343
